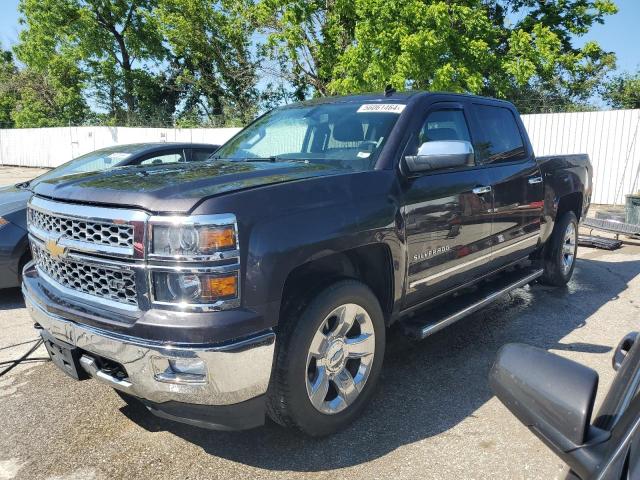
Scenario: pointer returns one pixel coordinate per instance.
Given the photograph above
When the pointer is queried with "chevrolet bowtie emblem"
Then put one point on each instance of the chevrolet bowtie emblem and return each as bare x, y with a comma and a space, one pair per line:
54, 249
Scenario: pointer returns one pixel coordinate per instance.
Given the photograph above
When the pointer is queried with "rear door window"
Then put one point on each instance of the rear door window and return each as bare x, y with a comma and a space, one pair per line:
201, 154
164, 157
499, 138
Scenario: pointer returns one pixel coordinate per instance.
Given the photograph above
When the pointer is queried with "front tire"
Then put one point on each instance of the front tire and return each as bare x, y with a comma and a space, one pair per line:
328, 360
560, 254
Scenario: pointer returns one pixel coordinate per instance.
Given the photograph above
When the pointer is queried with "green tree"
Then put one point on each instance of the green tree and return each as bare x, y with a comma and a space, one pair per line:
115, 43
305, 39
8, 97
47, 98
211, 46
623, 91
50, 98
472, 46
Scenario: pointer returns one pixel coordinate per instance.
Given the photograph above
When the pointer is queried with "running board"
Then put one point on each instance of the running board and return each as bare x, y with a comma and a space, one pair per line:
459, 307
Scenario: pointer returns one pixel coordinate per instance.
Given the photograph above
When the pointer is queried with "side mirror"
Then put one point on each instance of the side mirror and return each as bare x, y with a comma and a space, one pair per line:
553, 396
440, 154
623, 348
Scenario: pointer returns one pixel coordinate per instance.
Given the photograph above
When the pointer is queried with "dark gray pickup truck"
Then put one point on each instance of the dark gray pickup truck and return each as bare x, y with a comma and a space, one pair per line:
264, 280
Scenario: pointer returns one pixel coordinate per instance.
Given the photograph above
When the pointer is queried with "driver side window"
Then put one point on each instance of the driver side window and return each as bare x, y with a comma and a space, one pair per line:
444, 125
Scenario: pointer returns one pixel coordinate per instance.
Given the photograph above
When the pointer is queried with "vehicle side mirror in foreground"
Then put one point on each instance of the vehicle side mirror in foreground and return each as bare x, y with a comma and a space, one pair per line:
441, 154
622, 349
553, 397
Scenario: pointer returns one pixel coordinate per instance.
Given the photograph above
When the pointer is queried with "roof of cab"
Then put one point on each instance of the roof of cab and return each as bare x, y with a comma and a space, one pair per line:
395, 97
150, 147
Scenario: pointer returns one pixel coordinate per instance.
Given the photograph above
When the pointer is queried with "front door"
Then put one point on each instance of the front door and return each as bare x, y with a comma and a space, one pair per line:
447, 213
516, 180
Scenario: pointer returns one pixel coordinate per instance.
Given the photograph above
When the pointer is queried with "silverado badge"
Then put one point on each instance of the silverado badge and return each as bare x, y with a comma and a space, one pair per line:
431, 253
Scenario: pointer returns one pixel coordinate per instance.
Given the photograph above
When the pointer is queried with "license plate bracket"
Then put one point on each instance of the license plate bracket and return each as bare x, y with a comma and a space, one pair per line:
65, 356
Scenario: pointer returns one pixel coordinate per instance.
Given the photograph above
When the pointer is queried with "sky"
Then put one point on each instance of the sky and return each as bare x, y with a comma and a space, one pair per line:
620, 33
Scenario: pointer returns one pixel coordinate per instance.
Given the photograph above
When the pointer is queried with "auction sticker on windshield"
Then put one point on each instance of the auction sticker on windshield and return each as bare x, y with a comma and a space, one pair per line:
382, 107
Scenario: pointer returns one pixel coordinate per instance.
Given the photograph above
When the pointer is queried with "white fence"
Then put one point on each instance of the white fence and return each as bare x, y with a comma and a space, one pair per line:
609, 137
51, 147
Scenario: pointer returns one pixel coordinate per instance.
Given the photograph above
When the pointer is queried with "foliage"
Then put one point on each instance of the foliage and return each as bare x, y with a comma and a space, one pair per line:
8, 98
210, 42
305, 39
47, 98
469, 46
623, 91
109, 40
221, 62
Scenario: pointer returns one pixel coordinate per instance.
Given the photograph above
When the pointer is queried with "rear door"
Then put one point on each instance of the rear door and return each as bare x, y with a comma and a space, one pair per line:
500, 145
448, 226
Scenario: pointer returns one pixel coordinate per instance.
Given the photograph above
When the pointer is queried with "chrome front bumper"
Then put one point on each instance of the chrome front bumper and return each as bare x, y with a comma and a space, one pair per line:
235, 372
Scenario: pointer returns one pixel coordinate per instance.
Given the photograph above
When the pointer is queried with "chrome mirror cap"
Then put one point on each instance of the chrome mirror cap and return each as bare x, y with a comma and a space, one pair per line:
441, 154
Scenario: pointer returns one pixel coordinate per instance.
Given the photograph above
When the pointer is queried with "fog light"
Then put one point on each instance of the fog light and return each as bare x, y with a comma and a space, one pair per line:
179, 370
190, 366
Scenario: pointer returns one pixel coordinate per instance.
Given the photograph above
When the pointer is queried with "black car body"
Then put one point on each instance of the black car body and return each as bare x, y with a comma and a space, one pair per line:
14, 244
385, 202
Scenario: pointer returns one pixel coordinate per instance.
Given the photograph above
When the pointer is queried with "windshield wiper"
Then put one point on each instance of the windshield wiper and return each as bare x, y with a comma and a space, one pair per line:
248, 159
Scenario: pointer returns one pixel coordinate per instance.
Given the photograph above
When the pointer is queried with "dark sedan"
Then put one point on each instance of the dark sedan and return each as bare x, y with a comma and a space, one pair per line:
14, 245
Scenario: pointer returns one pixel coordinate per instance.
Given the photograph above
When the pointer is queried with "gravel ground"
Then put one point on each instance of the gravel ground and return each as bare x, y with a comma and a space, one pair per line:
432, 417
11, 175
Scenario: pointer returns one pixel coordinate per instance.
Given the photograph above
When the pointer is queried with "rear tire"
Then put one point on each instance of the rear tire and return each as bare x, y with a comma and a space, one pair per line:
328, 360
560, 253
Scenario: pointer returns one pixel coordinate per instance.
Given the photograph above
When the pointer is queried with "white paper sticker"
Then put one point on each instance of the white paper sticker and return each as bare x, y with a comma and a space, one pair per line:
363, 154
382, 107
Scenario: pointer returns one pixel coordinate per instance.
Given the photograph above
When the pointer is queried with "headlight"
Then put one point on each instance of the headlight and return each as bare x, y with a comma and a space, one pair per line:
194, 288
192, 240
194, 261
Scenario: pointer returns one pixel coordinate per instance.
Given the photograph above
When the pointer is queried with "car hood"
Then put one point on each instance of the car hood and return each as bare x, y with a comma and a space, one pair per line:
13, 199
175, 188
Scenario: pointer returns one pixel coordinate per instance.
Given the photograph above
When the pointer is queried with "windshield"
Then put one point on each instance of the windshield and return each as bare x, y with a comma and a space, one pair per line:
92, 162
349, 135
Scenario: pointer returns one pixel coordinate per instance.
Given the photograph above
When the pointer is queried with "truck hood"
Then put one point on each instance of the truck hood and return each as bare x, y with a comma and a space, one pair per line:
175, 188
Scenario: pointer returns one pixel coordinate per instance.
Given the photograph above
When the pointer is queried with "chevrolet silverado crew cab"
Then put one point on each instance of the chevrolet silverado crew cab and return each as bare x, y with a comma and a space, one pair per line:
263, 280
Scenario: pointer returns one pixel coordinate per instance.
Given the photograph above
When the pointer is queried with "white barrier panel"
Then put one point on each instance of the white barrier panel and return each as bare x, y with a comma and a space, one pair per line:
609, 137
51, 147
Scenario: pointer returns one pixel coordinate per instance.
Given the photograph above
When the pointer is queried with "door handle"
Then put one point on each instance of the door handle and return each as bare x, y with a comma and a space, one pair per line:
623, 349
534, 180
481, 190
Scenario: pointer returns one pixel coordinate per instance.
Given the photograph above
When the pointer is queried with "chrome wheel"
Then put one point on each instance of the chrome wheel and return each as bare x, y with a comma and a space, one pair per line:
340, 358
569, 248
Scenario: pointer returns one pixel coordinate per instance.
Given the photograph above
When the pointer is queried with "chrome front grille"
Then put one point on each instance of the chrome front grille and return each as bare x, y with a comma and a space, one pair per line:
104, 282
100, 254
100, 233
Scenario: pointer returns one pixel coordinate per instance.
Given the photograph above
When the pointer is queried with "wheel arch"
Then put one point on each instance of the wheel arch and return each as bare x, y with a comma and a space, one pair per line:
370, 264
570, 202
